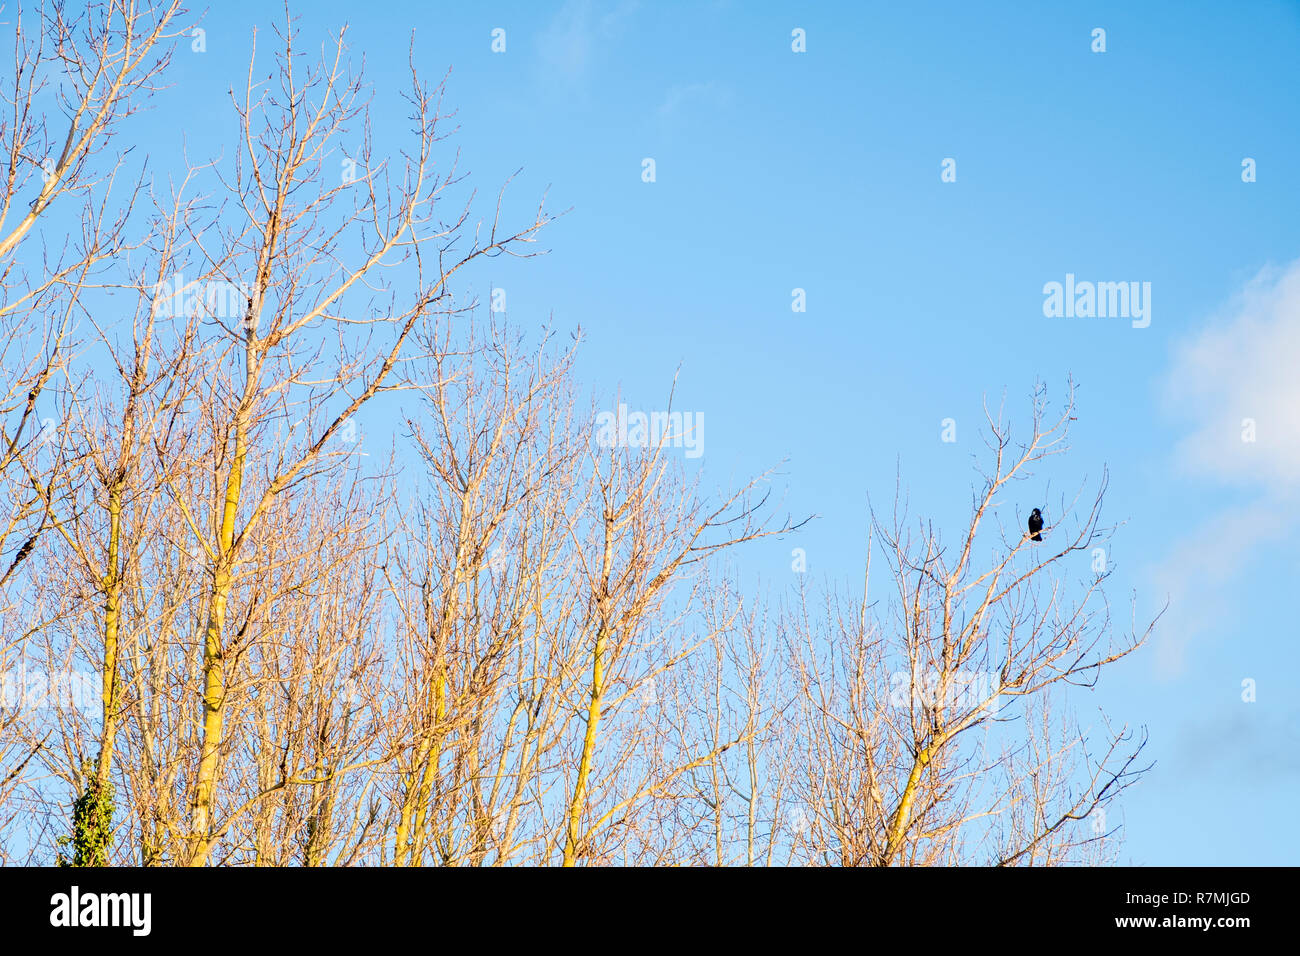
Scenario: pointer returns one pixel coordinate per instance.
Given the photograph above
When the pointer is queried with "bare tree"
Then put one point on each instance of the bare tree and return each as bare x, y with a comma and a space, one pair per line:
911, 756
481, 649
284, 357
95, 66
641, 528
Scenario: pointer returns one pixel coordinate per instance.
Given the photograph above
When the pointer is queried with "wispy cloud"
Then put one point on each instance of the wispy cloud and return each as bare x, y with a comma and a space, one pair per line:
683, 96
1239, 743
572, 41
1237, 382
1198, 572
1241, 372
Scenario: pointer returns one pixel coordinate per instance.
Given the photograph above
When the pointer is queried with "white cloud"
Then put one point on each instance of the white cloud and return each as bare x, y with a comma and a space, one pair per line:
1244, 365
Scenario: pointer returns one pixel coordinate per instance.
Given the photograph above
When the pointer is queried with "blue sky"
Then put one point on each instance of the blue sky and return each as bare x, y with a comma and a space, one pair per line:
820, 170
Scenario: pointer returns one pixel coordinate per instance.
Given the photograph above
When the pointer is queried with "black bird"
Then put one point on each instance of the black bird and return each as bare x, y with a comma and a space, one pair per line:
1035, 524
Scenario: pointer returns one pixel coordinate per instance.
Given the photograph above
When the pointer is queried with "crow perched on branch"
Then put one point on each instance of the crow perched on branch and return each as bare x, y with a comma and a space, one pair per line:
1036, 524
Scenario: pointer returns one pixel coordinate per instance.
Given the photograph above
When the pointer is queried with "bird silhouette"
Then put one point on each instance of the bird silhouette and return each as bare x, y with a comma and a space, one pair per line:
1036, 524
